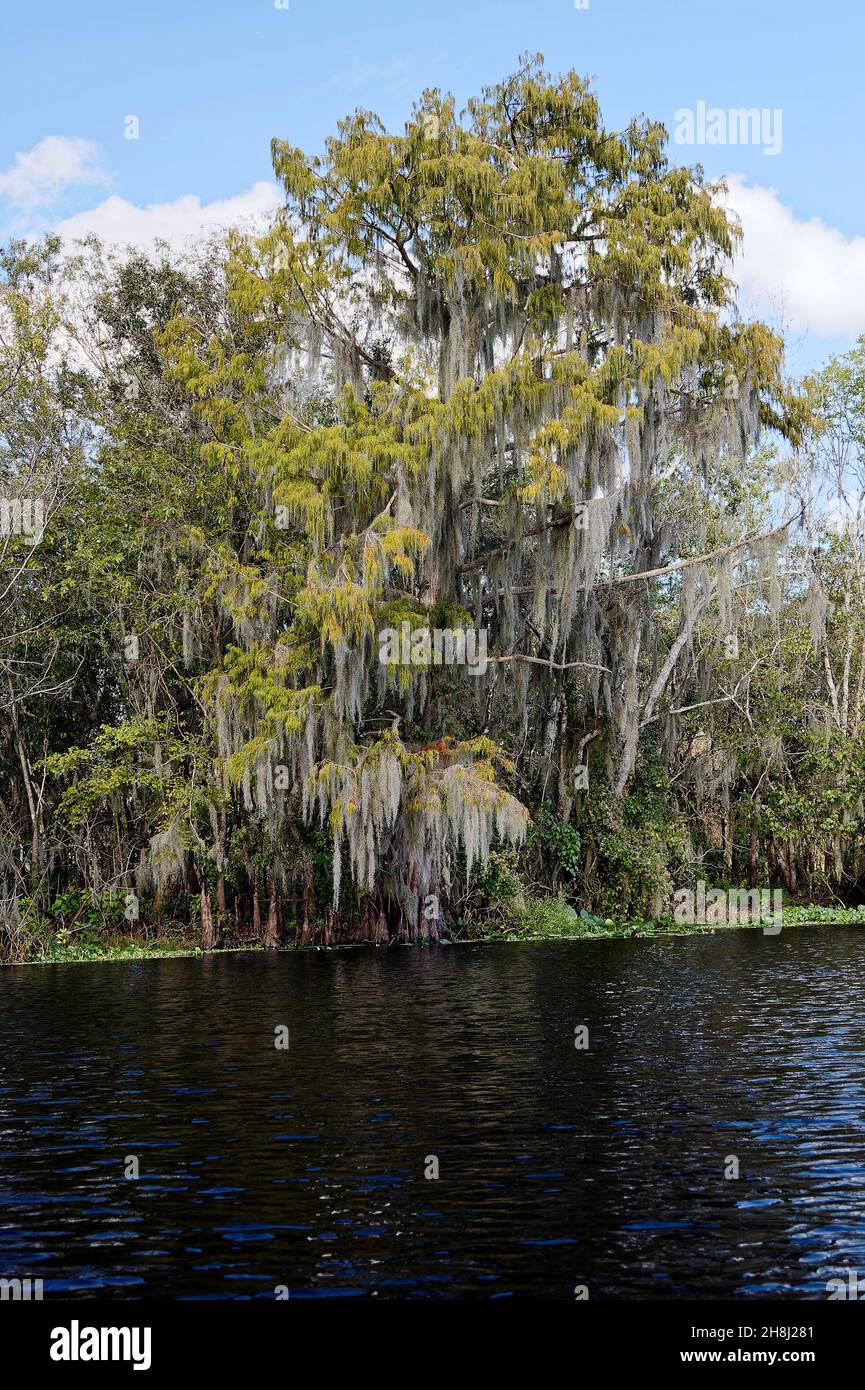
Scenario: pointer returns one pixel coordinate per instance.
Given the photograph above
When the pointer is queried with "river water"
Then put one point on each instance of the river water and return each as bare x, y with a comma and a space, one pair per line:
265, 1169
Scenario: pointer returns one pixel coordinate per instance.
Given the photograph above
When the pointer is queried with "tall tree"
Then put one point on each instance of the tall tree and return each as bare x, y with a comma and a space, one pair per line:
482, 375
519, 313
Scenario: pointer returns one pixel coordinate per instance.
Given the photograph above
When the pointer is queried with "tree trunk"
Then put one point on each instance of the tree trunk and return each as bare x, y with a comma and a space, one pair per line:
429, 919
208, 930
752, 859
380, 935
256, 910
272, 930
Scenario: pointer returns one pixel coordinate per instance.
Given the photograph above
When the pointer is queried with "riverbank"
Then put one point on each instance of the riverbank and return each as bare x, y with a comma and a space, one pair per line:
555, 923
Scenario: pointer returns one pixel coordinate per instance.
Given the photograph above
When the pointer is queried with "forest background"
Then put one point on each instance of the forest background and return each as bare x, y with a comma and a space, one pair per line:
486, 375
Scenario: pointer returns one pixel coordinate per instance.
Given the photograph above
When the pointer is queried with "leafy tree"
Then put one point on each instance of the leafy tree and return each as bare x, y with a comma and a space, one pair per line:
484, 373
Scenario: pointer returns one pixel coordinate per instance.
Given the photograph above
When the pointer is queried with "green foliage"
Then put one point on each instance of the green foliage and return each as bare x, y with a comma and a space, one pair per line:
557, 842
550, 918
498, 881
475, 377
833, 916
109, 765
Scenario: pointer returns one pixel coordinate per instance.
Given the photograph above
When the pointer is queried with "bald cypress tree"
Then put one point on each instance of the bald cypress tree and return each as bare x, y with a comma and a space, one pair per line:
521, 329
482, 378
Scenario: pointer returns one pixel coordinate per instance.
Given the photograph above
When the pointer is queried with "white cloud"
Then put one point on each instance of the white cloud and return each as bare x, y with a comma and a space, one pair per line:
809, 273
121, 222
804, 276
54, 164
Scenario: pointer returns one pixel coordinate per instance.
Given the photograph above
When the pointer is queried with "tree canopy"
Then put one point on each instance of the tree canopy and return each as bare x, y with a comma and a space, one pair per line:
483, 376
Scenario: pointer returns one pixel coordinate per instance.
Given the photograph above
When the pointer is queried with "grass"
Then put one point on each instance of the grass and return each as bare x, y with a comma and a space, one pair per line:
548, 919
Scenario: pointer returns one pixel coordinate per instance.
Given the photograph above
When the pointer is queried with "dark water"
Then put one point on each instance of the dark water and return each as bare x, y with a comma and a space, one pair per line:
557, 1167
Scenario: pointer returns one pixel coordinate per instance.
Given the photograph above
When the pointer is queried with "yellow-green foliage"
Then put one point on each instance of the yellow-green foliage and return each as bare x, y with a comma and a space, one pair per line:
452, 339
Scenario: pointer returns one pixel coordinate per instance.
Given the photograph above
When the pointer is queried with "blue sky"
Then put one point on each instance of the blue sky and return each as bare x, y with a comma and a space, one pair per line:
211, 81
